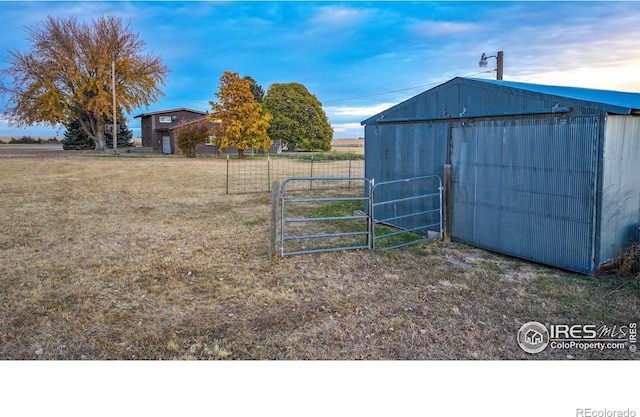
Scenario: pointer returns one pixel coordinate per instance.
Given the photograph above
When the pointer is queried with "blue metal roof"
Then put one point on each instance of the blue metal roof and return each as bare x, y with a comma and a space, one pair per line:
616, 102
629, 101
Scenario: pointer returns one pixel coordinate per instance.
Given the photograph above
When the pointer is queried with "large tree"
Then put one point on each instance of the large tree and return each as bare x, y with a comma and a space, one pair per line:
243, 121
67, 74
298, 117
76, 138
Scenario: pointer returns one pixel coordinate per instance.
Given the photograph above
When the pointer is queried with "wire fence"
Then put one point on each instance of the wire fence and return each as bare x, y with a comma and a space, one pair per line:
256, 174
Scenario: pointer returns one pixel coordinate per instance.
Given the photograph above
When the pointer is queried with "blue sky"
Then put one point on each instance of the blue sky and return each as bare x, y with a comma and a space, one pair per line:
359, 58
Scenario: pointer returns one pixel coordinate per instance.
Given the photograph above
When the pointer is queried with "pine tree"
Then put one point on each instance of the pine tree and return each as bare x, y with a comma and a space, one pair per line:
75, 138
124, 134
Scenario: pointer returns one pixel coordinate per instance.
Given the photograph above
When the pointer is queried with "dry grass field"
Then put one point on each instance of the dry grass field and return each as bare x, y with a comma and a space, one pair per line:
348, 145
147, 258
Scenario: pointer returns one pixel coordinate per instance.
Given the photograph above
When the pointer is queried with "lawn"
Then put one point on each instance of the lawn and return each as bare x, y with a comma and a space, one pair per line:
147, 258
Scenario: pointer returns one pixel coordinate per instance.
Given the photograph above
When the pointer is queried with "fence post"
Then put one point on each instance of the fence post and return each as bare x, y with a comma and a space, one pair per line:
447, 203
227, 174
268, 172
311, 174
372, 223
273, 250
349, 171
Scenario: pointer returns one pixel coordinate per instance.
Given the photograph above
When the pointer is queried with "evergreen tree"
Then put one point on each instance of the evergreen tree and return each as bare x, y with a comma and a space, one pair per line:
256, 89
124, 134
75, 138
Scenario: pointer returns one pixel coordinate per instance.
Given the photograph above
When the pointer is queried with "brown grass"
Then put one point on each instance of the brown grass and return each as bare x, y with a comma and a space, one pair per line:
132, 258
348, 145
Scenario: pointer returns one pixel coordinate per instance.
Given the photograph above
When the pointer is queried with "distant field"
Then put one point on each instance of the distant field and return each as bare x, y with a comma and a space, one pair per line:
338, 145
348, 145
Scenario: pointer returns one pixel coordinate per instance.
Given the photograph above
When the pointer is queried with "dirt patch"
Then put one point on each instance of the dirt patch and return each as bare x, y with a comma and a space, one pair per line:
31, 150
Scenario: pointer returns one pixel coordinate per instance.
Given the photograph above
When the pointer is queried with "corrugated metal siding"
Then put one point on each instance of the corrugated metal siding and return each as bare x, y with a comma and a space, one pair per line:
542, 186
525, 187
620, 216
400, 151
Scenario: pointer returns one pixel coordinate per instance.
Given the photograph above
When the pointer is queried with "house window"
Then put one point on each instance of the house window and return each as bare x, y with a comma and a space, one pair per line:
165, 119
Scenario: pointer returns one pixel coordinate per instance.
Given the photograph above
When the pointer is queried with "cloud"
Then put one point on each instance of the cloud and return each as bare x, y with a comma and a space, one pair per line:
338, 16
347, 130
432, 28
359, 111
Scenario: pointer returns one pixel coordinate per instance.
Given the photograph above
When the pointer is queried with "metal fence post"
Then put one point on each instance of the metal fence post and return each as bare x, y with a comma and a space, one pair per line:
372, 223
311, 174
447, 203
268, 172
273, 249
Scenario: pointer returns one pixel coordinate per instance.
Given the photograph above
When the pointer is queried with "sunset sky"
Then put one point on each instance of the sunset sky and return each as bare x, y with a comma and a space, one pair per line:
359, 58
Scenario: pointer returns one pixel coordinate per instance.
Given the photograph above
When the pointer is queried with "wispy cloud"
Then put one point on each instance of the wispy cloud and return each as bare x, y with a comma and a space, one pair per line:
433, 28
358, 111
357, 50
347, 130
338, 16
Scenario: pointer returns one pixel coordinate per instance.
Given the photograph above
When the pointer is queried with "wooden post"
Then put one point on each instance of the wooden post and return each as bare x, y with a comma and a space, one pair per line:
447, 203
273, 235
114, 134
500, 69
227, 188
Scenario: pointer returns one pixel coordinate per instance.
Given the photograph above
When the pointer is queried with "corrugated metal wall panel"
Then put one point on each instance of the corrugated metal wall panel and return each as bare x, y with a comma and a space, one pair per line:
525, 187
406, 151
620, 216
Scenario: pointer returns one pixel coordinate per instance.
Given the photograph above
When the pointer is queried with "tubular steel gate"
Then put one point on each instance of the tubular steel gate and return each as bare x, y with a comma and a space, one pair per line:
386, 215
405, 212
309, 227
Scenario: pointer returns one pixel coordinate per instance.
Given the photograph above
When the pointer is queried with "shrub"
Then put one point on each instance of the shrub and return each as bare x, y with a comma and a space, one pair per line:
190, 135
25, 139
629, 263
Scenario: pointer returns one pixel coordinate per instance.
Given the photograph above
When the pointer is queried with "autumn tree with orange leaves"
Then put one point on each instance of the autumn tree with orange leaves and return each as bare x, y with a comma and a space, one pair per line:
67, 75
243, 121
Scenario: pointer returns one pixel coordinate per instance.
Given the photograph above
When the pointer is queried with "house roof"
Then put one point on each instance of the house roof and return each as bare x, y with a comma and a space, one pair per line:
193, 121
617, 102
171, 111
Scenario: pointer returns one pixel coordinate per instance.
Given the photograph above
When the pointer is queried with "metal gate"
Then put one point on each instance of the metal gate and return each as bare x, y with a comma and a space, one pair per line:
386, 215
305, 228
405, 212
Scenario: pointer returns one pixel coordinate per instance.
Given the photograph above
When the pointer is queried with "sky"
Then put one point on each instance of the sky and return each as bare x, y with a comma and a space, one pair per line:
358, 58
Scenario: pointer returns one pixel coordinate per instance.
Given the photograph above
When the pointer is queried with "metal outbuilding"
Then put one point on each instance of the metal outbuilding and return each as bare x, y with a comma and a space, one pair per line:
545, 173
